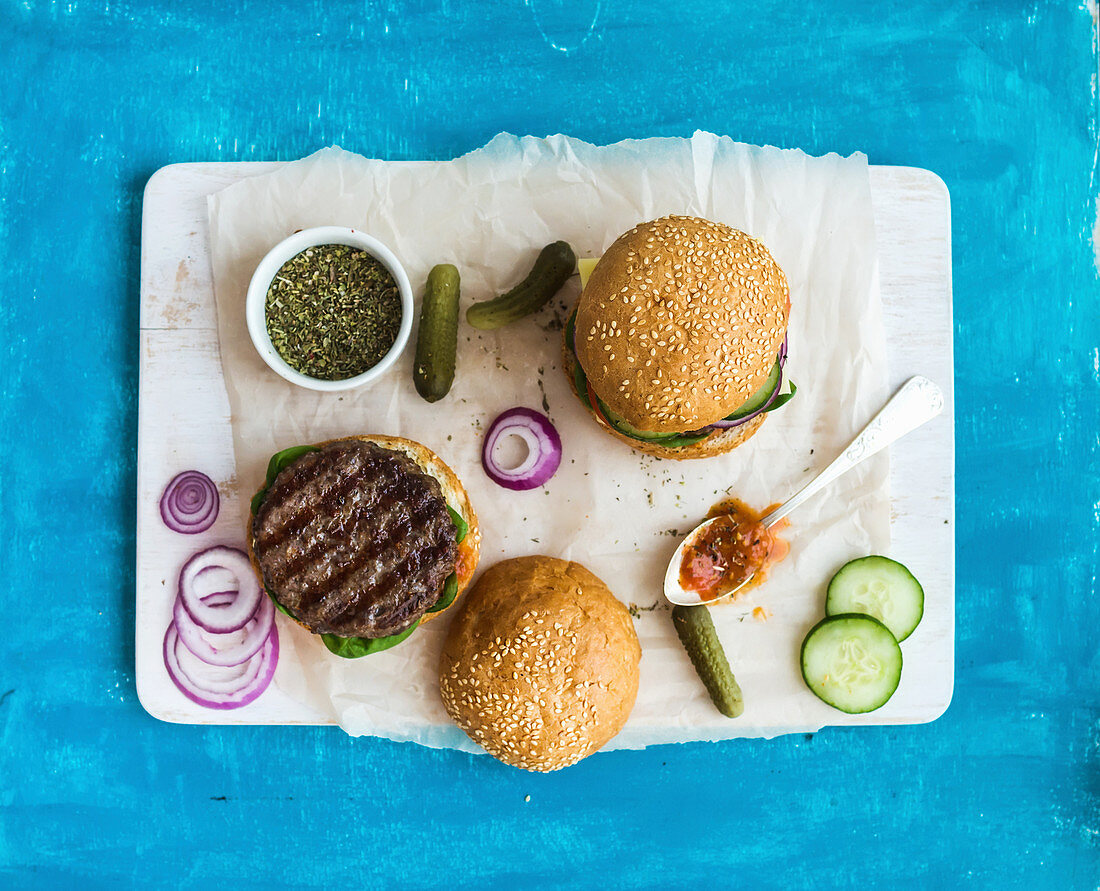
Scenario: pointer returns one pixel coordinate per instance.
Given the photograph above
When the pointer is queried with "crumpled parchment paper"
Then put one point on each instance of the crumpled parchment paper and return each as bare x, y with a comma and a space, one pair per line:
610, 508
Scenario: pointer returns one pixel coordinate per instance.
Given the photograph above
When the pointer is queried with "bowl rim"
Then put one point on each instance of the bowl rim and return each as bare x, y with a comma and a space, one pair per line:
272, 262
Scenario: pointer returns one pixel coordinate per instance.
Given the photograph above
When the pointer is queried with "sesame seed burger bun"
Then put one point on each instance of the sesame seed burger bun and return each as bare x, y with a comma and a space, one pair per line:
680, 323
540, 666
717, 443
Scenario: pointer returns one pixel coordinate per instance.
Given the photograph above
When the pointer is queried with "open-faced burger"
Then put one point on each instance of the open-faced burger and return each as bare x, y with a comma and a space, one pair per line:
678, 340
361, 539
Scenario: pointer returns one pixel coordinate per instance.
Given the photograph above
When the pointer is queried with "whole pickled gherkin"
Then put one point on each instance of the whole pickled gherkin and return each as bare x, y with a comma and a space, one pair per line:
437, 336
555, 263
695, 629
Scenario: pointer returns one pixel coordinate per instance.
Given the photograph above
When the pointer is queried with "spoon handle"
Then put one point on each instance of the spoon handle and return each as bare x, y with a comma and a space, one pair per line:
918, 401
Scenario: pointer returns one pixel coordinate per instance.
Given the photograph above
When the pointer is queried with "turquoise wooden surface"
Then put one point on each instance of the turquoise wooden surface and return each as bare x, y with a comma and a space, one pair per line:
998, 98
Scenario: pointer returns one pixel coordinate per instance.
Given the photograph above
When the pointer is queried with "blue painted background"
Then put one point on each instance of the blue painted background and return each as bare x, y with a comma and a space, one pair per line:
997, 97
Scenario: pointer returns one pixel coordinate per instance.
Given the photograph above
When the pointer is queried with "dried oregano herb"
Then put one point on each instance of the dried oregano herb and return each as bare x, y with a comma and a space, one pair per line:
333, 311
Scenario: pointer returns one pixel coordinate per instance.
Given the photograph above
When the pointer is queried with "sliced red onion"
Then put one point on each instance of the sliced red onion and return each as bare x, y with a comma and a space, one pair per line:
230, 648
543, 449
224, 618
189, 503
219, 598
216, 687
212, 678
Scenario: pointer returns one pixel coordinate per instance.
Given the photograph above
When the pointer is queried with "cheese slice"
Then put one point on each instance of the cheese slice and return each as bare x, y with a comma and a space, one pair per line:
585, 266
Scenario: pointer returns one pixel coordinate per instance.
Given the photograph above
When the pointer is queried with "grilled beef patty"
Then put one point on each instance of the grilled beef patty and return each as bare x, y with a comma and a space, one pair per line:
355, 540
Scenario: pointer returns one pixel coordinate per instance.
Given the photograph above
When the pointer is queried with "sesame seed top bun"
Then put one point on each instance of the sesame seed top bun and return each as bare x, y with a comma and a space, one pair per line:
718, 443
540, 666
680, 322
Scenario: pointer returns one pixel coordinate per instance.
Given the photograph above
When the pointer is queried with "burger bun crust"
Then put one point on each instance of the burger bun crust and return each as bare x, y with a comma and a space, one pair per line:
716, 444
540, 665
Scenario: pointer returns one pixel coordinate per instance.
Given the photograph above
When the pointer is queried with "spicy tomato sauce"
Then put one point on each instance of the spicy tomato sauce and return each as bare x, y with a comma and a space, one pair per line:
735, 547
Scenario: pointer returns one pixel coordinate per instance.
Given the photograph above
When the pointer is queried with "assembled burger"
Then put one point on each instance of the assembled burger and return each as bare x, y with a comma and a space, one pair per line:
678, 341
361, 539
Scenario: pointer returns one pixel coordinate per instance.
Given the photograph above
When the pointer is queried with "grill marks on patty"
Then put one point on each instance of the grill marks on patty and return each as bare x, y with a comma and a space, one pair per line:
355, 540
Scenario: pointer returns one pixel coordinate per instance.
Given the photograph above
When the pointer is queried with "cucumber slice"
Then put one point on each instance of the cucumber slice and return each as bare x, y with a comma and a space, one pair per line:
620, 424
682, 439
851, 662
881, 588
667, 440
761, 396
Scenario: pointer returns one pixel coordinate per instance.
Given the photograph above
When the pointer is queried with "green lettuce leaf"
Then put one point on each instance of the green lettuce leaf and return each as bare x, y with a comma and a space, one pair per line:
356, 647
279, 606
782, 399
450, 592
279, 461
461, 526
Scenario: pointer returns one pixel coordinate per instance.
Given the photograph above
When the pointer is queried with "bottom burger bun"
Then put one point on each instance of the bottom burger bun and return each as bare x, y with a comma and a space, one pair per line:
718, 443
540, 666
358, 608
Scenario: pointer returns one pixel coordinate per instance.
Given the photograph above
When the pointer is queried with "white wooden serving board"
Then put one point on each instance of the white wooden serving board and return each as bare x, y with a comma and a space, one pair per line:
183, 420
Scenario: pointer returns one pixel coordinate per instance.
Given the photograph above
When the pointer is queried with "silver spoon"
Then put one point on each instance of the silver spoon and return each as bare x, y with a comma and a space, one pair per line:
918, 401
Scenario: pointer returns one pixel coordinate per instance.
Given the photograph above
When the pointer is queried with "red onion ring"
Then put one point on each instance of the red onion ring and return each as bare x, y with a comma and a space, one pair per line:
219, 598
543, 449
213, 679
227, 649
216, 579
189, 503
230, 617
220, 688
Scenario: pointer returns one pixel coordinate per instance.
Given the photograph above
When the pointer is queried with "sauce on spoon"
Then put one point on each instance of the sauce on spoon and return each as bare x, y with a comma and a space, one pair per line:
735, 548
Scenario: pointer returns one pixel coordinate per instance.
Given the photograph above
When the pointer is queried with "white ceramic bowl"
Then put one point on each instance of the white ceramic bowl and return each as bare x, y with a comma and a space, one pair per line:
256, 300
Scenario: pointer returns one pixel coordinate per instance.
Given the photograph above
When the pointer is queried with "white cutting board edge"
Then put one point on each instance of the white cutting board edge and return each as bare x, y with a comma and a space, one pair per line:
183, 423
